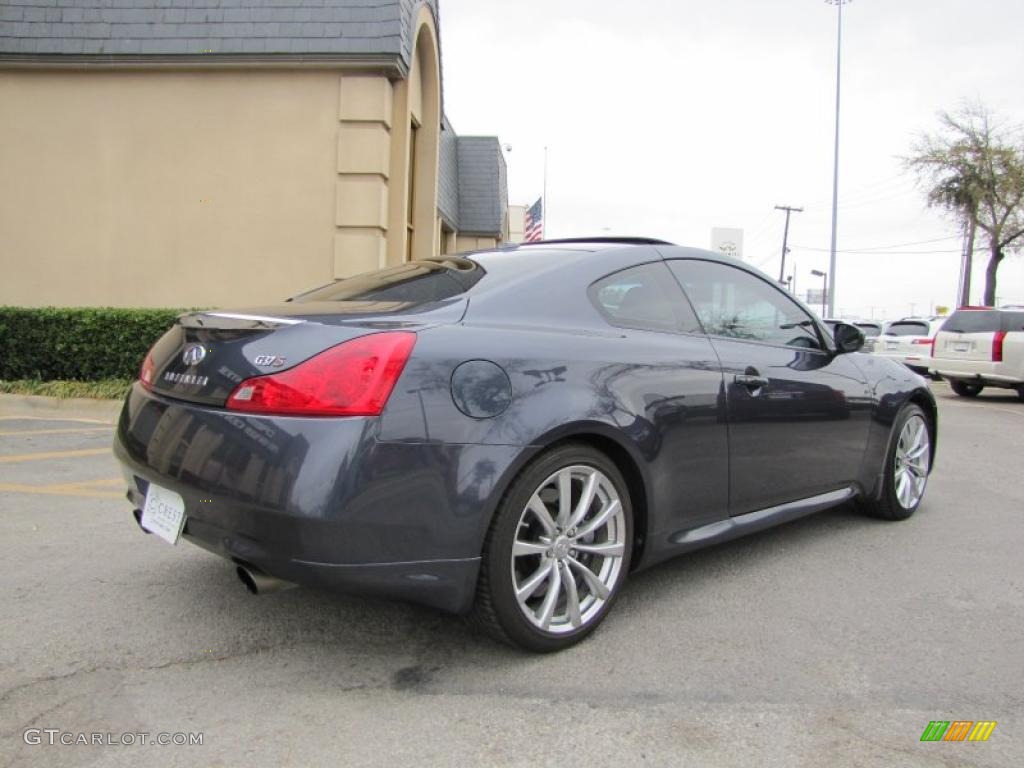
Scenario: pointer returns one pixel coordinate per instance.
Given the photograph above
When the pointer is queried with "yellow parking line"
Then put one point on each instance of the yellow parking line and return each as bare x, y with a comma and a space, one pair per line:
85, 484
54, 431
53, 455
58, 490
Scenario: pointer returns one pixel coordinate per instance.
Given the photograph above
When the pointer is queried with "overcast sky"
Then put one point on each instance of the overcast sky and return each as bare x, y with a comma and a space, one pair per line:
669, 117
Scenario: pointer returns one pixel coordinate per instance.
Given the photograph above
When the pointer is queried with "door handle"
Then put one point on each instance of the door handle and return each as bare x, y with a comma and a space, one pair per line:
752, 380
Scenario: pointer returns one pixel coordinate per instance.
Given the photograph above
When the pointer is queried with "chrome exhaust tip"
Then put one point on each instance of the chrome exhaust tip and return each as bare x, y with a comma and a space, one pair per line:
258, 583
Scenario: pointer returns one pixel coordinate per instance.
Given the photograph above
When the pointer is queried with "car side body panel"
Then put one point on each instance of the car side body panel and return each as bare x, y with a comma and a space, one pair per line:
661, 400
892, 385
399, 505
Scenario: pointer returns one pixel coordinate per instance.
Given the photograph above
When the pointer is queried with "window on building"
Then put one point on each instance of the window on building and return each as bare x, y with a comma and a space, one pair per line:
411, 198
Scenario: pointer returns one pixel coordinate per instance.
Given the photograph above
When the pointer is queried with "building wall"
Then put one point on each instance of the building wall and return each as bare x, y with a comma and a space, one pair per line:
474, 243
516, 223
166, 188
217, 187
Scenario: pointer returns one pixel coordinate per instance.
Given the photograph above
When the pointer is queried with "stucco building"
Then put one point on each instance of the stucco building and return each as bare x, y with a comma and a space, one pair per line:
210, 152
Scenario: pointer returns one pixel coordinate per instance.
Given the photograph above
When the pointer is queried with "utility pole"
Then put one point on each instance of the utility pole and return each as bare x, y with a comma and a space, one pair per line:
785, 238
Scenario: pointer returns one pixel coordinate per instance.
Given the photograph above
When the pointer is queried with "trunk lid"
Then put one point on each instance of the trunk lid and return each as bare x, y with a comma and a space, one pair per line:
968, 335
205, 355
905, 337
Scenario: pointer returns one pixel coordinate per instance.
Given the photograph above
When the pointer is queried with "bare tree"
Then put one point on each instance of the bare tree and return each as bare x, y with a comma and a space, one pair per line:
974, 169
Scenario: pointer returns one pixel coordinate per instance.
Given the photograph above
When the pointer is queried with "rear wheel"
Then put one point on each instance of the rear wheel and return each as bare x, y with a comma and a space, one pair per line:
907, 464
1020, 392
966, 388
557, 552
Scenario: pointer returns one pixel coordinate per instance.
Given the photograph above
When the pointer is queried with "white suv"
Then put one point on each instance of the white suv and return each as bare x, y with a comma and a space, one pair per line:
980, 347
909, 341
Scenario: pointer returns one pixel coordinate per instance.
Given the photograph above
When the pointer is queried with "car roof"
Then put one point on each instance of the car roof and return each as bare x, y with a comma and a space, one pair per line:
600, 241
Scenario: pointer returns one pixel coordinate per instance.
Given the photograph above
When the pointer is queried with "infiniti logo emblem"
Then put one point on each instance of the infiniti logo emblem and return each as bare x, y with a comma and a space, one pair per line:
193, 354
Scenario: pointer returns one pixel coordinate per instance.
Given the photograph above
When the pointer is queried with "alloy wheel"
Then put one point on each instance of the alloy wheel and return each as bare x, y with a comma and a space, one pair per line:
912, 461
569, 549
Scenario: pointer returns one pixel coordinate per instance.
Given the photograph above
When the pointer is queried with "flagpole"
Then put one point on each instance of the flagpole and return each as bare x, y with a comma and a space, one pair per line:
544, 196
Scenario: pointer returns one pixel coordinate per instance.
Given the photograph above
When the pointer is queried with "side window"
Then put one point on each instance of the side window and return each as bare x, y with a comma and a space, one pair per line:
644, 297
738, 305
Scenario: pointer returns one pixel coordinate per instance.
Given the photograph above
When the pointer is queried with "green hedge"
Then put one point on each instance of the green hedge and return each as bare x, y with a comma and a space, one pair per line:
81, 344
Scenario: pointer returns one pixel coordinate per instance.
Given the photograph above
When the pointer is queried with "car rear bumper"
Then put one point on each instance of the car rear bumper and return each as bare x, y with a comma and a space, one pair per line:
917, 363
985, 371
315, 501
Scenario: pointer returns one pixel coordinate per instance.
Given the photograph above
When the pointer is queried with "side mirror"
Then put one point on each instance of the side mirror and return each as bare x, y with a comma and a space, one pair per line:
848, 338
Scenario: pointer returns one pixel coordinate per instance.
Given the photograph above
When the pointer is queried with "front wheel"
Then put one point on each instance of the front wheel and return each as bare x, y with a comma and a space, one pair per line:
907, 464
966, 388
557, 552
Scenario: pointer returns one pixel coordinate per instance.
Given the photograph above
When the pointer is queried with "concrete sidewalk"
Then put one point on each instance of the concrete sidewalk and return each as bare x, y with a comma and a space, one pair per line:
36, 406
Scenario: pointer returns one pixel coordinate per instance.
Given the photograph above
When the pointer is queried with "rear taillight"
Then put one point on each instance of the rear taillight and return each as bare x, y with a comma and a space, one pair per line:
997, 346
352, 379
923, 342
148, 371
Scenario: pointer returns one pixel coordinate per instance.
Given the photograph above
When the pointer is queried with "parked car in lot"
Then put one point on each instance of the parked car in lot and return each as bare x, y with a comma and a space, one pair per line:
980, 347
871, 329
910, 341
510, 433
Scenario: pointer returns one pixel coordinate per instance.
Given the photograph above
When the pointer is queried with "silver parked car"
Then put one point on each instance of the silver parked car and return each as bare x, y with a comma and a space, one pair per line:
910, 341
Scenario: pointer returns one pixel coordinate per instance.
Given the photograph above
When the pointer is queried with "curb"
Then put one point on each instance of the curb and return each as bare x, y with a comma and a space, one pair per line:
38, 406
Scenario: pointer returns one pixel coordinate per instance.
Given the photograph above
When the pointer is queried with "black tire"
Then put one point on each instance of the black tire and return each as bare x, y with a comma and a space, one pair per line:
1020, 393
966, 388
888, 505
496, 610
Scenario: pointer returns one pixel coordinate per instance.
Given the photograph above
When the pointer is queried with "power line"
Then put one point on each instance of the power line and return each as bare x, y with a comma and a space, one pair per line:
880, 253
882, 186
903, 245
887, 248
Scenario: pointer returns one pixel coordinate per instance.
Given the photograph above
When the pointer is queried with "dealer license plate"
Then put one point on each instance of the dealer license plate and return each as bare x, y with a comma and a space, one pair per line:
163, 513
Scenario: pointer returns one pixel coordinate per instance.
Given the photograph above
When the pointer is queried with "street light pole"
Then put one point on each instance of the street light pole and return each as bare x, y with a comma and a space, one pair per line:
835, 161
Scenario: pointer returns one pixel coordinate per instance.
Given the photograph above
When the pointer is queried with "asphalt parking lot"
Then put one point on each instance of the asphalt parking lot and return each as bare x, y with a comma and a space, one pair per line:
831, 641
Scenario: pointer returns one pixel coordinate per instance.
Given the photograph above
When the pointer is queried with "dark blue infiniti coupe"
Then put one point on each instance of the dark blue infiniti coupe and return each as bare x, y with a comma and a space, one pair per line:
511, 433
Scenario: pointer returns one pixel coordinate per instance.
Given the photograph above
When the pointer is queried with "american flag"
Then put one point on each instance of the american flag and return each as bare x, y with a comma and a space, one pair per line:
534, 222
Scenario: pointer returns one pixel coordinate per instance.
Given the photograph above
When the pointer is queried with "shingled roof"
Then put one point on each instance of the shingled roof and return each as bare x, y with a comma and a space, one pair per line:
118, 29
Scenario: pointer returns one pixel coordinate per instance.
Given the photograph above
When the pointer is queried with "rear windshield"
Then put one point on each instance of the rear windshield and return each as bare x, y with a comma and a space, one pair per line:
973, 321
907, 329
869, 329
416, 282
1013, 321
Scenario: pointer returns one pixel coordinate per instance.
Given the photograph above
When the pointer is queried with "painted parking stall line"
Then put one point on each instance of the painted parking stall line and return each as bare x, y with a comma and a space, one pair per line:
46, 455
83, 490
